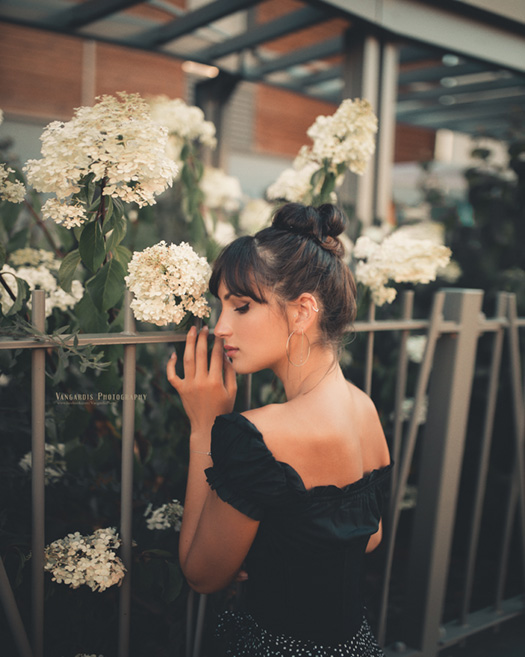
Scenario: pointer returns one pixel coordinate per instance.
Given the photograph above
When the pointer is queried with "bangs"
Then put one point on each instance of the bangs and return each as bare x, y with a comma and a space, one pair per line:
237, 267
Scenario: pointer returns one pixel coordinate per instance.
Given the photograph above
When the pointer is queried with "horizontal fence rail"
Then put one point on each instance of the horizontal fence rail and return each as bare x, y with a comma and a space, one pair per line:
445, 376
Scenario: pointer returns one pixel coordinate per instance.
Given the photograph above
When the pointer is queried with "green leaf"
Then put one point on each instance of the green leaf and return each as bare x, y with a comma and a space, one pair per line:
9, 214
115, 237
90, 319
67, 270
107, 286
123, 255
3, 255
109, 209
22, 293
91, 246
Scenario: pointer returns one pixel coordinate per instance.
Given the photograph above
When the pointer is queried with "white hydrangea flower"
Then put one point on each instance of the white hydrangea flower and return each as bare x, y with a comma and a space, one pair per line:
41, 278
115, 141
167, 516
220, 230
10, 190
345, 138
256, 215
90, 560
397, 259
221, 191
54, 462
450, 272
293, 185
33, 258
416, 345
185, 123
407, 409
168, 282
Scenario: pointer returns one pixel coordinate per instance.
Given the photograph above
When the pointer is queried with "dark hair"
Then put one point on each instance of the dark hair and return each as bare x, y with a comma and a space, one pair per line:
300, 252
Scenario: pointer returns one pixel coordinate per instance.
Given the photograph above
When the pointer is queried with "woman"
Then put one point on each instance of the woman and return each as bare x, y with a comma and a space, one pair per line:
292, 490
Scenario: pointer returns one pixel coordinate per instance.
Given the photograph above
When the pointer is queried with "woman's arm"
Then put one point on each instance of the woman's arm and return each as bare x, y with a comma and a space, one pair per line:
214, 537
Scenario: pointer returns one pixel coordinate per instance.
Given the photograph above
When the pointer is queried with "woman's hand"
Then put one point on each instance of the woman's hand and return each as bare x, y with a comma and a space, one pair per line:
205, 393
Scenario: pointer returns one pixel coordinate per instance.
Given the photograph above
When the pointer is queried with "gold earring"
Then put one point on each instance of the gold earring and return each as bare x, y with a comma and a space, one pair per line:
302, 360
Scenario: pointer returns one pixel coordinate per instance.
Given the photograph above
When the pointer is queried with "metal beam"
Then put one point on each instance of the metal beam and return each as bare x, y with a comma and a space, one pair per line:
461, 89
291, 22
320, 50
191, 21
87, 12
436, 73
433, 116
442, 27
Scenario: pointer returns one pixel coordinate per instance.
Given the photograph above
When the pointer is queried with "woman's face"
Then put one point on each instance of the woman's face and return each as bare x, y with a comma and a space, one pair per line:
254, 333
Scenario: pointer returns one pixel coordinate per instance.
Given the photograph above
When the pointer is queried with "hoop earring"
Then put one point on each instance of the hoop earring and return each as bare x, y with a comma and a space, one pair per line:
303, 361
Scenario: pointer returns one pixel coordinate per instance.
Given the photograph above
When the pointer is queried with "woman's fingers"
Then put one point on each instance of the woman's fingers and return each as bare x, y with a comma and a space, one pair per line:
230, 378
216, 361
170, 371
201, 353
189, 353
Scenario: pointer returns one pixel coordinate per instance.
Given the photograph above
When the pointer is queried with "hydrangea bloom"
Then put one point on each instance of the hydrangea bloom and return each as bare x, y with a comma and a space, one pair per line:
294, 184
54, 462
221, 191
416, 345
345, 138
41, 278
10, 190
167, 516
33, 258
185, 123
168, 282
255, 215
115, 141
91, 560
397, 259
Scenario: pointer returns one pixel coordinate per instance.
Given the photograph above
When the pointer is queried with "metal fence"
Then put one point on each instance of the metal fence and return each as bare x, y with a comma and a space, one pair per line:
434, 450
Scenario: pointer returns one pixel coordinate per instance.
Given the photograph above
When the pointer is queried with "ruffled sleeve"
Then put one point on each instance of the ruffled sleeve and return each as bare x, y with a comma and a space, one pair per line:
244, 473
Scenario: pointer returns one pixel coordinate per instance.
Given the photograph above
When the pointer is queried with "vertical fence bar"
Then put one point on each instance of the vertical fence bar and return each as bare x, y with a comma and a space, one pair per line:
486, 442
406, 457
13, 615
38, 440
128, 430
369, 363
401, 384
440, 469
517, 491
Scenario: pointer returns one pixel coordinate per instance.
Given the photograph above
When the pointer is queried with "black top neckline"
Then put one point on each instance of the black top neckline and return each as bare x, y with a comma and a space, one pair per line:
355, 487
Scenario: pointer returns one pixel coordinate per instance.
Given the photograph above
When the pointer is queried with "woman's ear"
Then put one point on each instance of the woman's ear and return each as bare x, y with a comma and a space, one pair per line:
304, 311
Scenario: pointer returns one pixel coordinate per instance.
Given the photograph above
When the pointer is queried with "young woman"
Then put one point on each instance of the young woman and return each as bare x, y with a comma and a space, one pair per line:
290, 493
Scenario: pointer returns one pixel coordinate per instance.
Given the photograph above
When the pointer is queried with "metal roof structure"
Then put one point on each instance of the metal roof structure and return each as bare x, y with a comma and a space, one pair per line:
460, 64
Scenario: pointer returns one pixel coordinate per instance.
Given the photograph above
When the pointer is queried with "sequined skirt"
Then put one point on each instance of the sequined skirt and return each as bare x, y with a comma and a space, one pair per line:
240, 635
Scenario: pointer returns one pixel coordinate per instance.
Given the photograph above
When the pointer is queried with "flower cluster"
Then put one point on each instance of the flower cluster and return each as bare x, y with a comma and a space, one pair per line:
221, 192
397, 259
185, 124
255, 215
167, 516
54, 462
33, 258
115, 143
295, 184
10, 190
41, 278
168, 282
91, 560
345, 138
416, 345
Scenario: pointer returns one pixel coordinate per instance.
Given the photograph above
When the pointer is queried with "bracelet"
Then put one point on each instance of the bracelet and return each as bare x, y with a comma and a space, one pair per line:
197, 452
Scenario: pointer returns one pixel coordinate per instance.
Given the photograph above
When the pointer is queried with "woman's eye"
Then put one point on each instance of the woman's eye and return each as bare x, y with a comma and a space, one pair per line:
243, 309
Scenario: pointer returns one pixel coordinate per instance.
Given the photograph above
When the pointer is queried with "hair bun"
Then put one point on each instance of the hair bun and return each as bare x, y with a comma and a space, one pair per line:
322, 224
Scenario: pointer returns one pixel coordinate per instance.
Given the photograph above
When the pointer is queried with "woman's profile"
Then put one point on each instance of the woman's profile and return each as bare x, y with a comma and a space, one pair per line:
290, 492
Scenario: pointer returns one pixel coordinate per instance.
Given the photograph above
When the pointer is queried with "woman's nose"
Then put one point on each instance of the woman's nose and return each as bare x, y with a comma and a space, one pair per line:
221, 328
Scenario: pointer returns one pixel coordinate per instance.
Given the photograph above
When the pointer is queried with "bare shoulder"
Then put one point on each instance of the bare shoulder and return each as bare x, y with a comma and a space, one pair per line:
265, 418
371, 428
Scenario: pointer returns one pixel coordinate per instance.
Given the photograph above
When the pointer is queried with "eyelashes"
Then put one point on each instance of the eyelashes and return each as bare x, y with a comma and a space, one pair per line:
243, 309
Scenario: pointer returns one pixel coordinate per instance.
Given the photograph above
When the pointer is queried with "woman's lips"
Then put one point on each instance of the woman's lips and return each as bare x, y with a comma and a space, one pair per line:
230, 351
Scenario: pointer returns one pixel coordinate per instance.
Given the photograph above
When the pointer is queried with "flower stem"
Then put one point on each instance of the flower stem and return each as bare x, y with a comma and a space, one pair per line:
41, 224
7, 288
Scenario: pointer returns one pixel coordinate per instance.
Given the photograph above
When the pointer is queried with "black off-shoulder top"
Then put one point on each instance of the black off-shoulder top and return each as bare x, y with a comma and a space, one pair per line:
305, 564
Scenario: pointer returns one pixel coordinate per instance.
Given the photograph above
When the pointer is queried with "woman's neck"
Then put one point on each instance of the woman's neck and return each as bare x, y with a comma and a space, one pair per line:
321, 366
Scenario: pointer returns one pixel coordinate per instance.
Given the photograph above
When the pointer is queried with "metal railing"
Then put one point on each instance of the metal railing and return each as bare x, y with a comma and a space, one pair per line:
445, 375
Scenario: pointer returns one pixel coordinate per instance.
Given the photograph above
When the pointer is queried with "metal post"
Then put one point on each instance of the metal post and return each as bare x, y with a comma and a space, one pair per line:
484, 457
361, 75
38, 411
387, 133
13, 615
440, 469
369, 363
128, 430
